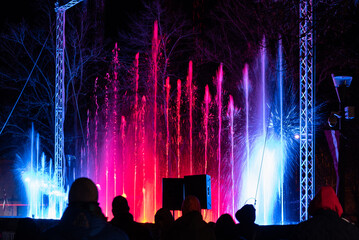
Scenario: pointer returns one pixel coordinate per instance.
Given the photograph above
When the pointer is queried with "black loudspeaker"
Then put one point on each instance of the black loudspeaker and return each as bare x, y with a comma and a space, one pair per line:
199, 186
172, 193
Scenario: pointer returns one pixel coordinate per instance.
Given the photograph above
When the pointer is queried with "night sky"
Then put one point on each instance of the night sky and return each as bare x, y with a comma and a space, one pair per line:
117, 15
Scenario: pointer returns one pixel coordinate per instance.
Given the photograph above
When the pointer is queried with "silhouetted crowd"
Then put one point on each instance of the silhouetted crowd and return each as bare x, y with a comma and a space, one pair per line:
83, 219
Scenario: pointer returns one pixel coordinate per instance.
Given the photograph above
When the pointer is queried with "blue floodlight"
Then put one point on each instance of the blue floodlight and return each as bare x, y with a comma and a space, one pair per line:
340, 81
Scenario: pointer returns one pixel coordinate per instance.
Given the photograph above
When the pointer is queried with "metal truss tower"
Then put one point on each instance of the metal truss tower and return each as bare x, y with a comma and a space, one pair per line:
306, 78
60, 91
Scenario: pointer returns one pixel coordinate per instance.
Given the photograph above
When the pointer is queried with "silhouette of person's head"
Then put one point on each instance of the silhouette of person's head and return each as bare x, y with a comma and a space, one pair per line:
224, 226
120, 206
247, 214
225, 220
163, 217
190, 204
83, 190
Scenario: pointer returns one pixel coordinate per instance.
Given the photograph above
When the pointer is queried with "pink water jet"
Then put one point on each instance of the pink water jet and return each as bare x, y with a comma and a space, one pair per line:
88, 143
178, 128
207, 101
219, 102
168, 137
123, 138
231, 137
190, 96
136, 110
96, 134
155, 45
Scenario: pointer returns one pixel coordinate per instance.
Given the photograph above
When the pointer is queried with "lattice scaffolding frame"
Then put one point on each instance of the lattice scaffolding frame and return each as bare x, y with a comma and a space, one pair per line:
307, 117
60, 92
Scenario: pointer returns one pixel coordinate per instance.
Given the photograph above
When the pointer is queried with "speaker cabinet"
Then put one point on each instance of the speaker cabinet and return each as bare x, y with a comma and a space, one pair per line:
172, 193
199, 186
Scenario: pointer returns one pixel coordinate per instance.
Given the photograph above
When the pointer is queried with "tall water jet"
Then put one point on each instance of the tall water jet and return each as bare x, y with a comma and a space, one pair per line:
231, 137
219, 79
96, 134
263, 80
114, 119
143, 136
281, 93
178, 127
207, 101
88, 143
190, 96
264, 142
246, 94
155, 45
136, 110
37, 151
168, 137
107, 142
123, 140
264, 119
33, 204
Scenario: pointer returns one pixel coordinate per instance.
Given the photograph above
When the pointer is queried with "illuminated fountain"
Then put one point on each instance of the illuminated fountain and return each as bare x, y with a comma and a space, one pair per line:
45, 200
245, 149
142, 130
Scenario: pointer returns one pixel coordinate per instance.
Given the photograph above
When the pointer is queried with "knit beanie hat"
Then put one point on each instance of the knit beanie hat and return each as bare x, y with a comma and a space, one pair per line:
325, 199
83, 190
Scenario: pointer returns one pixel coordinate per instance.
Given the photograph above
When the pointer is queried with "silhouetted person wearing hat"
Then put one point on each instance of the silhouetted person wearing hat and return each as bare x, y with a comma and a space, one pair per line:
326, 222
123, 219
246, 217
83, 218
191, 225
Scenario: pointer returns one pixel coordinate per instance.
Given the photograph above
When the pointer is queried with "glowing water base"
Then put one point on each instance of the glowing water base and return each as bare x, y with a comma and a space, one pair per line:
45, 200
146, 127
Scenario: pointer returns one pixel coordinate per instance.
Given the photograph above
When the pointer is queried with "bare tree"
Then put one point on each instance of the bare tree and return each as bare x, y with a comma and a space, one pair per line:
28, 53
175, 34
235, 30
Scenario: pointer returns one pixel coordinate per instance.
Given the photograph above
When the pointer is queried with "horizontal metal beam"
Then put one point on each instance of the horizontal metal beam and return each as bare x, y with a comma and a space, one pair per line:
67, 5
